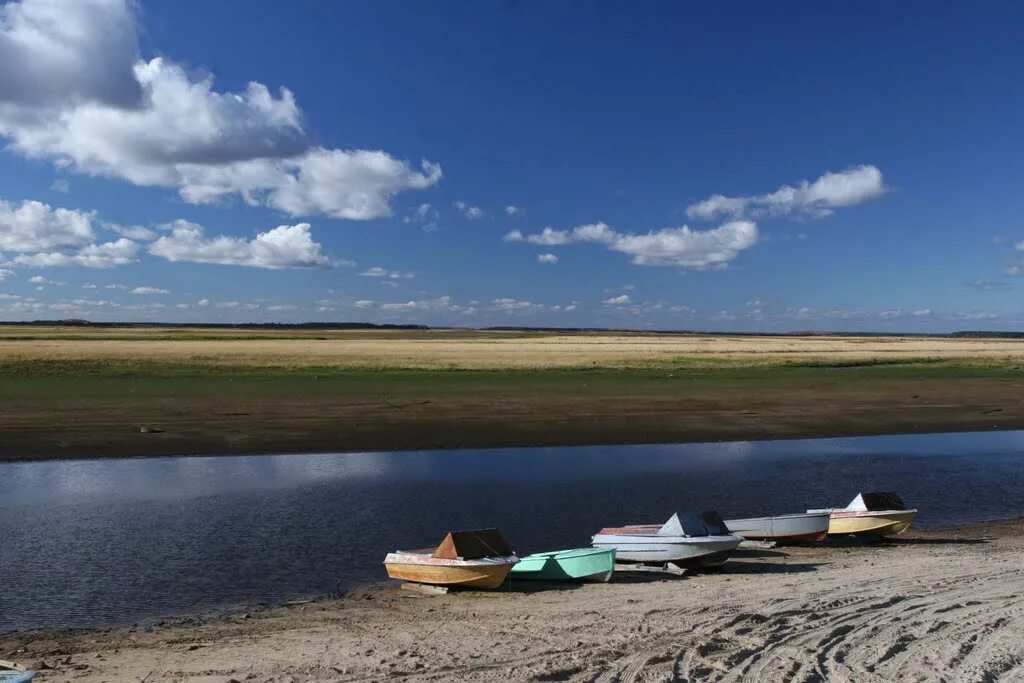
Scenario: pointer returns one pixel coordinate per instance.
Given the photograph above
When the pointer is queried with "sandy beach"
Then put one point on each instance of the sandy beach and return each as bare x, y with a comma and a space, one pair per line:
936, 605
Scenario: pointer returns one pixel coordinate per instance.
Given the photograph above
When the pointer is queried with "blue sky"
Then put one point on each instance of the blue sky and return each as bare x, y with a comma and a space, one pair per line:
736, 167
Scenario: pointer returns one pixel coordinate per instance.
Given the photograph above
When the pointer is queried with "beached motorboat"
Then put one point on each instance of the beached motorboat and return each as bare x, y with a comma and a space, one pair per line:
685, 540
578, 564
14, 673
870, 514
794, 528
474, 559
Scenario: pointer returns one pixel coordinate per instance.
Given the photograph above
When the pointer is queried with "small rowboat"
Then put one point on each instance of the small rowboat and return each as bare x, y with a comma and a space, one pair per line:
870, 514
14, 673
473, 559
687, 540
578, 564
795, 528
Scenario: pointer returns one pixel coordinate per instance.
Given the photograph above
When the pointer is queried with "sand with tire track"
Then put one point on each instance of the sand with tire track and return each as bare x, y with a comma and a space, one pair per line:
931, 606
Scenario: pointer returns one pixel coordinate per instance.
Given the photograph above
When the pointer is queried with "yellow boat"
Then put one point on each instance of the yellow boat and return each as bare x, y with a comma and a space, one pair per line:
471, 559
870, 514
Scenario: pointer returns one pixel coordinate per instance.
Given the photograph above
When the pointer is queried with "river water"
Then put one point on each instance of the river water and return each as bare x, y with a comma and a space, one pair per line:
101, 542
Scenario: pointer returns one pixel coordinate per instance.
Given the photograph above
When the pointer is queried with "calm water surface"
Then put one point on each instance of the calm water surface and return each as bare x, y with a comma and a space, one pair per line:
116, 541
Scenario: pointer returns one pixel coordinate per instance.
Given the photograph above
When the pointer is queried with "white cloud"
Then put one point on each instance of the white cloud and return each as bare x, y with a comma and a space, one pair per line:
424, 215
237, 305
513, 210
921, 312
73, 89
203, 303
377, 271
510, 305
4, 274
986, 286
549, 238
60, 185
814, 199
53, 52
547, 258
107, 255
88, 285
132, 232
471, 212
442, 304
149, 290
286, 246
282, 307
514, 236
619, 300
689, 248
114, 286
680, 246
363, 303
34, 226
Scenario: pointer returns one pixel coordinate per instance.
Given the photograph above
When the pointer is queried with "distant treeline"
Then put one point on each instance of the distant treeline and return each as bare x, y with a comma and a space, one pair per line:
989, 335
234, 326
968, 334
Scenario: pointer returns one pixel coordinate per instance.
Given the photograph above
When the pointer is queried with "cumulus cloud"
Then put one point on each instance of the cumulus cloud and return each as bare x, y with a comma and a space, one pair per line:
469, 211
34, 226
547, 258
812, 199
149, 290
74, 90
513, 210
681, 247
286, 246
4, 274
52, 52
107, 255
619, 300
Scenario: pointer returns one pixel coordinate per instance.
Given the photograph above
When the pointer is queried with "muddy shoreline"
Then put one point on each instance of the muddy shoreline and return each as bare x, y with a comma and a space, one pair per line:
931, 604
466, 413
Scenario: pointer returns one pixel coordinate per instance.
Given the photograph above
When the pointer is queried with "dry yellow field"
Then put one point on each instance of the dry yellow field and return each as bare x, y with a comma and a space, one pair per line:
88, 392
476, 350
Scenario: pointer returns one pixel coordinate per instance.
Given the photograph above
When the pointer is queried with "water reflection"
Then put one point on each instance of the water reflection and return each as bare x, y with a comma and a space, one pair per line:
94, 542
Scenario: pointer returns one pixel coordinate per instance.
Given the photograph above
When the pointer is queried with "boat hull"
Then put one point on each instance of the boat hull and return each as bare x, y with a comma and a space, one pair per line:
801, 527
485, 573
579, 564
872, 523
704, 551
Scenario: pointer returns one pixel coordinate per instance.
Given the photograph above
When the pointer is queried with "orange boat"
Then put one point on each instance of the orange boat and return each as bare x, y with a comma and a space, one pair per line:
474, 559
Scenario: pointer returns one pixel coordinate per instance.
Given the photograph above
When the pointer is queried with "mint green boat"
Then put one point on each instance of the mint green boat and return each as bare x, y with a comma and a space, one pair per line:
578, 564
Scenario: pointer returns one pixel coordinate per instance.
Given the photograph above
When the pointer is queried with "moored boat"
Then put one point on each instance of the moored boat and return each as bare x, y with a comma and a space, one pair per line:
686, 540
13, 673
794, 528
870, 514
474, 559
577, 564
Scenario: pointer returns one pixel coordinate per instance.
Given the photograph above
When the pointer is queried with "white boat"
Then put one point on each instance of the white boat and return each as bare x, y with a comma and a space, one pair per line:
684, 540
794, 528
870, 514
